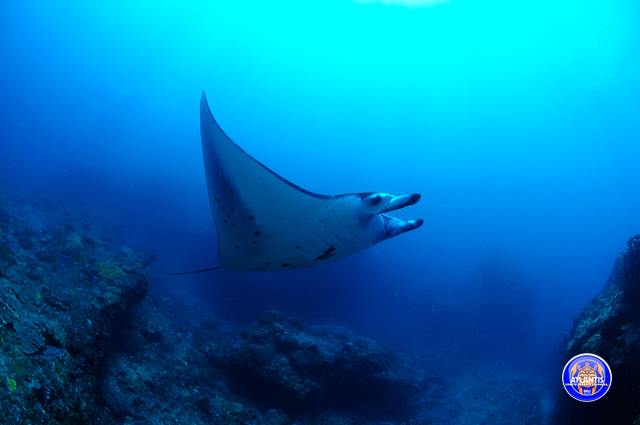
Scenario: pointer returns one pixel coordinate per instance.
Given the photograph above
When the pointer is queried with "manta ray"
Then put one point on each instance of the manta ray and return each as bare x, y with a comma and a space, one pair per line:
264, 222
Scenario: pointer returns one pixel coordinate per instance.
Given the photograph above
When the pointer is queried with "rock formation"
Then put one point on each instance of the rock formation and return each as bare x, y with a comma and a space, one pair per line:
62, 288
610, 328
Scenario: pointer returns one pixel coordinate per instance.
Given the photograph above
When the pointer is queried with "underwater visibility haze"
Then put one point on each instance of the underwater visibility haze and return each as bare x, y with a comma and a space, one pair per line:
516, 125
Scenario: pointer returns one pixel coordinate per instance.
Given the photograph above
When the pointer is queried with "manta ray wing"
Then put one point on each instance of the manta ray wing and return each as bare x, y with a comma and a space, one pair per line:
264, 222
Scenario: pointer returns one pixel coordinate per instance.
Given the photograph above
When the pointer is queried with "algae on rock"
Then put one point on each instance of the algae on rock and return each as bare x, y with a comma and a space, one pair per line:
55, 328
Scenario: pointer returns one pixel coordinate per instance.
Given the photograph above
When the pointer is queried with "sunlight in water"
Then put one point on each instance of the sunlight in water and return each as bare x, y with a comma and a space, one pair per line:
405, 3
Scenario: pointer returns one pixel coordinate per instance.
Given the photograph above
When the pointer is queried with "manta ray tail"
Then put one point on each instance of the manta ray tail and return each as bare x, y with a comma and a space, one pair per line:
208, 269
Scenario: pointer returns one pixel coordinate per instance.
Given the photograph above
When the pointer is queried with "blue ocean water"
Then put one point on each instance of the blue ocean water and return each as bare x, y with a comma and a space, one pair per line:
516, 121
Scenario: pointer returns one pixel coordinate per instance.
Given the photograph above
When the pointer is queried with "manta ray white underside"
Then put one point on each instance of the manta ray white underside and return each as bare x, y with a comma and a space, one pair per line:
266, 223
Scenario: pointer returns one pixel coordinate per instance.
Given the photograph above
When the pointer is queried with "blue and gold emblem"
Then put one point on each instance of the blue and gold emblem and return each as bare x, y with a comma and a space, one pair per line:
586, 377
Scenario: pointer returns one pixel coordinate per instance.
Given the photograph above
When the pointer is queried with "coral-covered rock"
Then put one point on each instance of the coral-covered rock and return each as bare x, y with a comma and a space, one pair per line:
157, 370
167, 364
62, 287
283, 363
610, 328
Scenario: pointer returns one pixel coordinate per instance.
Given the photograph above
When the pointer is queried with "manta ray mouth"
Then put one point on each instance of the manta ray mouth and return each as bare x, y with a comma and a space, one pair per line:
394, 226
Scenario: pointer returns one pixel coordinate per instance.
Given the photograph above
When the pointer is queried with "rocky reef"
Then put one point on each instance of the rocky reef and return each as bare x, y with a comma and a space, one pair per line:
83, 341
277, 372
62, 288
301, 369
610, 327
174, 362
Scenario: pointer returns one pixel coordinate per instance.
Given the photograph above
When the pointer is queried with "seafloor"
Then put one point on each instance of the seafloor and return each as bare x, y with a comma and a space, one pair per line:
81, 342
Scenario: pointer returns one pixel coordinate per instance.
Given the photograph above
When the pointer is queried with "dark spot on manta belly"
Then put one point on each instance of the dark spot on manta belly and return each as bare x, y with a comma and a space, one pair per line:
251, 217
285, 265
256, 233
329, 252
